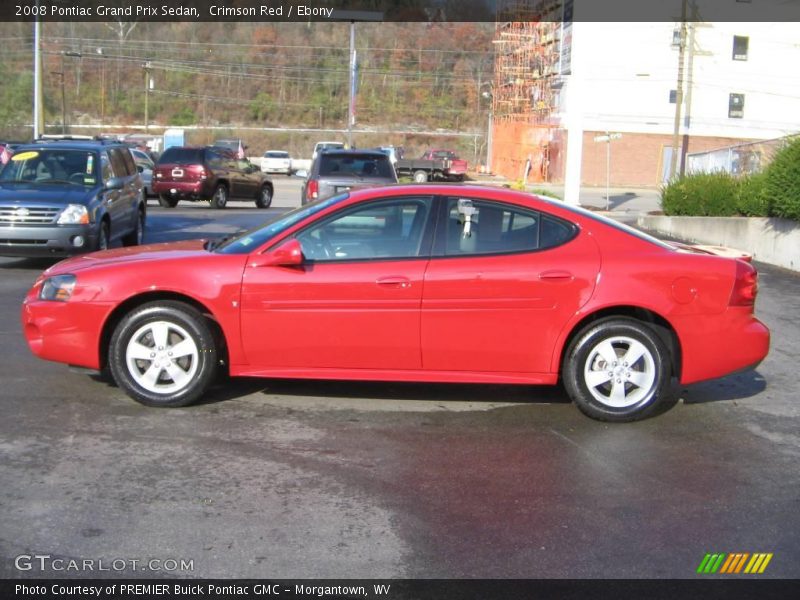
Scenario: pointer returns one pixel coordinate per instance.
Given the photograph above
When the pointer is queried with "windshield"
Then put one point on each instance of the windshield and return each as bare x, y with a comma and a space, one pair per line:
248, 241
276, 155
51, 165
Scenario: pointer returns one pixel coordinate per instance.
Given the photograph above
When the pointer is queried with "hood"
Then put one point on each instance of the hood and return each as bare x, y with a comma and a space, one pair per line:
132, 254
43, 194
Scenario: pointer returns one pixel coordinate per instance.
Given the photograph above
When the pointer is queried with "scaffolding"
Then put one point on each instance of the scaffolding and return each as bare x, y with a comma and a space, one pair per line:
527, 83
527, 61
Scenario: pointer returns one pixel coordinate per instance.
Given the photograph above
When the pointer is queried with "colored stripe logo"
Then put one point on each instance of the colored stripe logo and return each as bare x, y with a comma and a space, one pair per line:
735, 563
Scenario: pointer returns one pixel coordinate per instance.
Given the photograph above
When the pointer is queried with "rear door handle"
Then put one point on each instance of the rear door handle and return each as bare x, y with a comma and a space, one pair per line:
555, 275
401, 282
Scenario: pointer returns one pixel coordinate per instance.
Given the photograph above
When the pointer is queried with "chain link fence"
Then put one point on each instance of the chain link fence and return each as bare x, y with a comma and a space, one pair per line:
741, 159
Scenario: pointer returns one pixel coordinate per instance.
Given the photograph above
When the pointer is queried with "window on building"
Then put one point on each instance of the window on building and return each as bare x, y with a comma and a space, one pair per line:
676, 38
740, 44
736, 106
673, 96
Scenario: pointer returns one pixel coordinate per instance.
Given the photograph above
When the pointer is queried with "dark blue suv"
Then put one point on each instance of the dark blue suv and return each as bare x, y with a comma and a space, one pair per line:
64, 197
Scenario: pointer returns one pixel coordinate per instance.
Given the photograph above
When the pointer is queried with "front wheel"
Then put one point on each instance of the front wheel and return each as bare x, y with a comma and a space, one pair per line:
163, 354
220, 197
619, 370
264, 198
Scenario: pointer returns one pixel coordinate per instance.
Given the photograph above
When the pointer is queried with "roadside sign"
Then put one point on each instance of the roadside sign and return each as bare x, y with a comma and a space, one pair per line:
607, 137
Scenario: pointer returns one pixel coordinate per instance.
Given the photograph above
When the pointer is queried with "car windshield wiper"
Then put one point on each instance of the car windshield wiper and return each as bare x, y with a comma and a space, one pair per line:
212, 245
56, 181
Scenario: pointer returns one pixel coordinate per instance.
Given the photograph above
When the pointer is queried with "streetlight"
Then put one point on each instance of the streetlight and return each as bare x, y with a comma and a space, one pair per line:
490, 126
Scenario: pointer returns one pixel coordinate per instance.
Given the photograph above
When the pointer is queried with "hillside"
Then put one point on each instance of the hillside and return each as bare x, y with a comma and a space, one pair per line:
220, 77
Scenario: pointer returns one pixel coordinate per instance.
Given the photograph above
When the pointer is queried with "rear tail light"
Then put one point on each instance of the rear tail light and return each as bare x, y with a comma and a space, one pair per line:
313, 189
745, 287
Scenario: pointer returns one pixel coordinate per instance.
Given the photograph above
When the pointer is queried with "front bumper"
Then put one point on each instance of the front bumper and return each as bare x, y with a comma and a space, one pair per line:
51, 240
66, 332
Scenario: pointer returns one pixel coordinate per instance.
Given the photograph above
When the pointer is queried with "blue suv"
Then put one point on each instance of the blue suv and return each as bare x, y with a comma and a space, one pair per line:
63, 197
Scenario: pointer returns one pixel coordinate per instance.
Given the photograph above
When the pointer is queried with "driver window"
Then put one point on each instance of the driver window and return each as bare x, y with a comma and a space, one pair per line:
379, 230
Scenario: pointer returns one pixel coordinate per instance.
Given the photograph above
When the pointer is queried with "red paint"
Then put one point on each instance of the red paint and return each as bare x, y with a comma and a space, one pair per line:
502, 318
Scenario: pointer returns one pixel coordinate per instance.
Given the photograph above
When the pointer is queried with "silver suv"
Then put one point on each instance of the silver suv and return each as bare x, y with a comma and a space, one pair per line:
336, 171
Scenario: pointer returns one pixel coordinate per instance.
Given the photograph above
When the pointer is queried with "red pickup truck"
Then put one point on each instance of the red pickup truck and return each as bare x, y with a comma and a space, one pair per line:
434, 164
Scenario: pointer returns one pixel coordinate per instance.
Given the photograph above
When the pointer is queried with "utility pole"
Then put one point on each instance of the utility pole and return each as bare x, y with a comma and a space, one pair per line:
38, 120
351, 105
63, 99
676, 133
146, 67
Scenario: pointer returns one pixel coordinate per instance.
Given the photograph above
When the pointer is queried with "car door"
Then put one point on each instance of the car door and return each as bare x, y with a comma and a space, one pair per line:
114, 198
502, 282
354, 303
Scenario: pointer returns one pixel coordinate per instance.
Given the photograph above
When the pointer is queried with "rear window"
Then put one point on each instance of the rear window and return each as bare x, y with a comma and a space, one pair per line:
276, 155
355, 165
181, 156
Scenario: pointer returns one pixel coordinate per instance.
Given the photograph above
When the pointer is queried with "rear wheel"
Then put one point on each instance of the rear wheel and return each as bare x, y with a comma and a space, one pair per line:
264, 197
163, 354
136, 237
618, 369
420, 177
219, 198
167, 201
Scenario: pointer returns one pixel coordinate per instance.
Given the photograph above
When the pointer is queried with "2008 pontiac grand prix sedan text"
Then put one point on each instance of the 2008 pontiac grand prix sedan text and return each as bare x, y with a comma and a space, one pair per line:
409, 283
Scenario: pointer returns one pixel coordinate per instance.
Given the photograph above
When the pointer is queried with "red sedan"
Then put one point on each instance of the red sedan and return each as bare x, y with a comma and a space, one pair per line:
409, 283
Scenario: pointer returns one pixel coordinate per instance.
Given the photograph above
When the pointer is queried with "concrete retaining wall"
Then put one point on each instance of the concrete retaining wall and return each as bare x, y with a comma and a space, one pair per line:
773, 241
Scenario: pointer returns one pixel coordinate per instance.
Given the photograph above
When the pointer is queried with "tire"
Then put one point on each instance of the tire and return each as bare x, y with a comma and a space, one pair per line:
103, 237
163, 354
167, 201
602, 380
219, 199
264, 199
136, 237
420, 177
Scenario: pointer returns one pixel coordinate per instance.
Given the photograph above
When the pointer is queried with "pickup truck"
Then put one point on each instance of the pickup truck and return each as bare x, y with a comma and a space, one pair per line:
434, 164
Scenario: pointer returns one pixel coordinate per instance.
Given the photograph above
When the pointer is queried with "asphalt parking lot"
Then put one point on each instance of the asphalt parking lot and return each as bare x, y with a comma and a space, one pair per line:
300, 479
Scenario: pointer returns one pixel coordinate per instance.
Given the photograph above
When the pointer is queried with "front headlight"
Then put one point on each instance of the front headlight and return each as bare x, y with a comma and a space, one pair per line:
74, 214
58, 288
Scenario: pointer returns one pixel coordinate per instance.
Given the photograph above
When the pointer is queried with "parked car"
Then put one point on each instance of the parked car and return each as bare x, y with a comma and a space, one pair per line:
434, 165
439, 283
320, 146
236, 146
276, 161
394, 153
145, 166
63, 197
335, 171
210, 173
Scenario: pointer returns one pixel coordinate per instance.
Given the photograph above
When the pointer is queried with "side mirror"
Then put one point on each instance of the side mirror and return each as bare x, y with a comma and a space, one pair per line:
301, 173
115, 183
287, 254
140, 168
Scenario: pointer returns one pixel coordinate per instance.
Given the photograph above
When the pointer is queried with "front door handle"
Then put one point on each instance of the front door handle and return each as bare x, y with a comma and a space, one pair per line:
400, 282
555, 275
